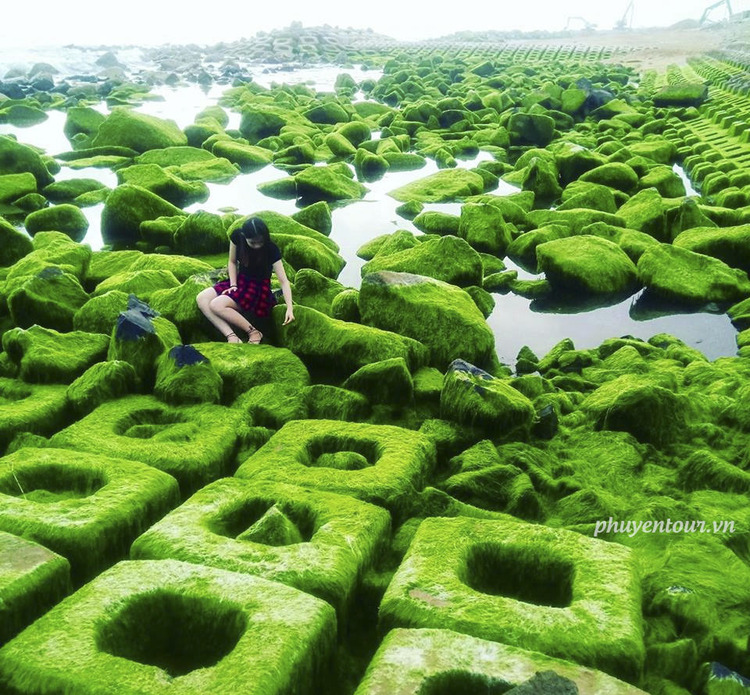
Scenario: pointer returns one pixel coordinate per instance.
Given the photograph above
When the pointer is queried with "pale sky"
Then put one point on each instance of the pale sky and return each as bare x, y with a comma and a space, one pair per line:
37, 23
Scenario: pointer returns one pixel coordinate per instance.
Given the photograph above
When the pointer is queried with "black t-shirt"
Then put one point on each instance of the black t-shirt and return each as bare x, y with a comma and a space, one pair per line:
260, 260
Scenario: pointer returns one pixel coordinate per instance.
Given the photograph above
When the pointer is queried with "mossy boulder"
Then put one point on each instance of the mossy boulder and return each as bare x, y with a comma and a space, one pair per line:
617, 175
307, 252
248, 158
388, 381
729, 244
531, 129
64, 218
326, 183
127, 128
47, 356
523, 247
316, 216
588, 265
16, 158
69, 189
682, 275
167, 186
49, 298
83, 120
330, 345
439, 315
185, 376
646, 212
315, 290
441, 187
14, 245
449, 259
201, 233
683, 94
483, 227
580, 194
435, 222
103, 381
126, 208
15, 186
665, 180
141, 283
99, 314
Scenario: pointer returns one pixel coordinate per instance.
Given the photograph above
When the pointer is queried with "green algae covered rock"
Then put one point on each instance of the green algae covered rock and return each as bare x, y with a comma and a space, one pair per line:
439, 315
185, 376
164, 184
729, 244
14, 245
646, 213
387, 381
316, 216
103, 381
52, 249
326, 183
143, 624
126, 207
683, 94
49, 298
307, 252
448, 259
248, 158
15, 186
704, 470
317, 542
194, 444
16, 158
381, 464
560, 593
441, 187
127, 128
69, 189
33, 579
435, 222
142, 283
531, 129
448, 659
475, 398
64, 218
325, 343
84, 120
26, 408
99, 314
59, 509
315, 290
635, 404
616, 175
587, 264
681, 275
201, 233
46, 356
483, 227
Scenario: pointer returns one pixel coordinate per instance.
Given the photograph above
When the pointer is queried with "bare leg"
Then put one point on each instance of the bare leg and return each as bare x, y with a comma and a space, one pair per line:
204, 304
226, 308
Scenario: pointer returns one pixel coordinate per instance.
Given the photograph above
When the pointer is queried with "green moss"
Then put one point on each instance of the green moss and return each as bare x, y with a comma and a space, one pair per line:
164, 184
315, 290
126, 128
195, 444
728, 244
483, 227
580, 194
326, 183
473, 397
324, 343
704, 470
617, 175
685, 276
142, 625
381, 464
448, 259
531, 129
200, 233
14, 245
16, 158
328, 543
15, 186
99, 383
437, 662
434, 222
46, 356
645, 212
185, 376
32, 580
439, 315
142, 283
70, 189
683, 94
99, 314
326, 402
587, 264
26, 408
550, 591
387, 381
273, 405
86, 507
316, 216
248, 158
442, 187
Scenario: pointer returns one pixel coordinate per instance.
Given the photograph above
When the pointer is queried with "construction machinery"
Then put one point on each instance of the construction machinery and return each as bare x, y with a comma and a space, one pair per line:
705, 16
625, 23
585, 24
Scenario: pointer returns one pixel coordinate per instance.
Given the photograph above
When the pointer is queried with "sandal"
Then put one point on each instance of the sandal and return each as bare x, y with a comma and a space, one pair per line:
251, 332
229, 335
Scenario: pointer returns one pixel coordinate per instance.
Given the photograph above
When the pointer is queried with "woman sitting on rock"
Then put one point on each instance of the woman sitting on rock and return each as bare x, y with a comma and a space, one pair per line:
252, 256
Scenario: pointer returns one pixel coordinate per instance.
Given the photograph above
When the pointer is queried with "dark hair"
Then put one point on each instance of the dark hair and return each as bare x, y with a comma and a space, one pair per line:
254, 229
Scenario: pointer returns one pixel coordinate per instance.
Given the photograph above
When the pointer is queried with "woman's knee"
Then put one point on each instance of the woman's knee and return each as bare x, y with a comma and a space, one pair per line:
204, 298
220, 303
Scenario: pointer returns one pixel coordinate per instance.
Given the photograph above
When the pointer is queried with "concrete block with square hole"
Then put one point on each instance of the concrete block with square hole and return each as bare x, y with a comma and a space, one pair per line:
32, 580
30, 408
539, 588
86, 507
381, 464
195, 444
316, 541
174, 628
443, 662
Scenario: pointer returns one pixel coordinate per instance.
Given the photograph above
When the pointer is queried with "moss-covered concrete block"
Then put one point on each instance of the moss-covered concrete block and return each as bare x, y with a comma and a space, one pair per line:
26, 408
381, 464
195, 444
416, 662
46, 356
318, 542
441, 316
547, 590
152, 628
32, 580
86, 507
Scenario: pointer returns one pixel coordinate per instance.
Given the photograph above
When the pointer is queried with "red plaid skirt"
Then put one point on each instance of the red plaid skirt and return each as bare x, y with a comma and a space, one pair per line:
252, 295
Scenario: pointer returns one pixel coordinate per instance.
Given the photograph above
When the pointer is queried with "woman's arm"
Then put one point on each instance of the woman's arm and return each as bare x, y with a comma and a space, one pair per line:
286, 290
232, 265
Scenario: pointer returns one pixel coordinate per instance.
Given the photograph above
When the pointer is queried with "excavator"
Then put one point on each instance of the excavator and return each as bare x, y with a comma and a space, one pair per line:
704, 18
587, 26
625, 23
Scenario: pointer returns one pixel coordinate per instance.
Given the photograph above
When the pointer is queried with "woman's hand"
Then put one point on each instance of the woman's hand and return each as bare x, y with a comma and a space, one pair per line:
229, 289
289, 316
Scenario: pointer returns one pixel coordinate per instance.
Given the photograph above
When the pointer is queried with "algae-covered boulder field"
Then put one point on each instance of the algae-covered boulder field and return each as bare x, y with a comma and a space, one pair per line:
375, 500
